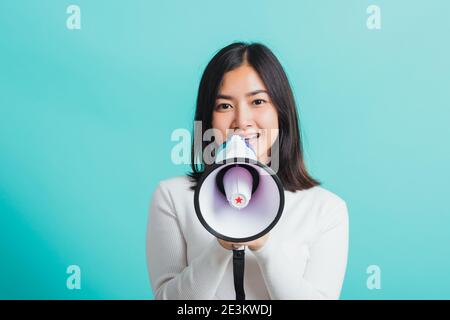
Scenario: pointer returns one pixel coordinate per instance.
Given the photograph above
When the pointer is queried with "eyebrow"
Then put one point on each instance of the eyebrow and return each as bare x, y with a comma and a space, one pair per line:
223, 96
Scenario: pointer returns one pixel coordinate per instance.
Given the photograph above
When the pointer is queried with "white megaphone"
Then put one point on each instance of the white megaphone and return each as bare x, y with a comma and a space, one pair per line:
238, 199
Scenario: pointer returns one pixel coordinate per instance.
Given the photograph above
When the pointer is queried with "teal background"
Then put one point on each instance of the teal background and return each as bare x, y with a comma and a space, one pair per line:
86, 118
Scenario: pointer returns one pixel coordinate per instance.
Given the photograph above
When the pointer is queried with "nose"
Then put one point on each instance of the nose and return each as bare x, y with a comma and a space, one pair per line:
243, 118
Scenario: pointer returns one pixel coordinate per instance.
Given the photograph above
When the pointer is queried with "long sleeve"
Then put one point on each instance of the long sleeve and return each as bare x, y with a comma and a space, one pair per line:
324, 272
170, 275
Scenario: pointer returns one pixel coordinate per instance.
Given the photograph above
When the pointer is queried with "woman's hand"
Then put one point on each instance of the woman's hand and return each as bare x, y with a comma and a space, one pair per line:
253, 245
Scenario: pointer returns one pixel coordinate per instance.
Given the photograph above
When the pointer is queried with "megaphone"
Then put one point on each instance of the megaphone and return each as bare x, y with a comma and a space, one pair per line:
238, 199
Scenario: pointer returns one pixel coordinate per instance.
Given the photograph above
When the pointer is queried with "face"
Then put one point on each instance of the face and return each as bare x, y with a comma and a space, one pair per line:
244, 107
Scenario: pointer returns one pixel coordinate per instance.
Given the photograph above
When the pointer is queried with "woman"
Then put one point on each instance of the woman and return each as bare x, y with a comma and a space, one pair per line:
244, 90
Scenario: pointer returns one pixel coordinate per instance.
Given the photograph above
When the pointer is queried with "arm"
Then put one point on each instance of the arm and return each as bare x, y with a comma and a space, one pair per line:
325, 270
170, 275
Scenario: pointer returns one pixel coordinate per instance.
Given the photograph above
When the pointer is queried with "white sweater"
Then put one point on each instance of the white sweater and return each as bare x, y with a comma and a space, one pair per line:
305, 256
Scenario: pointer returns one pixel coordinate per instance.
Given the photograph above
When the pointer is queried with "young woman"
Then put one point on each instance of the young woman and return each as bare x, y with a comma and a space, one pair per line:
244, 90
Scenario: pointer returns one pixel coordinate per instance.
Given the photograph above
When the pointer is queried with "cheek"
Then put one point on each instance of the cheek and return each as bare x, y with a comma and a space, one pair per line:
269, 121
221, 123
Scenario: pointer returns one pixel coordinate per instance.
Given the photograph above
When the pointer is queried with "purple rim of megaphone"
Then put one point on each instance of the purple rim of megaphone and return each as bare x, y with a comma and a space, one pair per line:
229, 161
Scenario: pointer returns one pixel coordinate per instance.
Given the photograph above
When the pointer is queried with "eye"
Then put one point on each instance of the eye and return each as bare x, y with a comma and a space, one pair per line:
259, 101
223, 106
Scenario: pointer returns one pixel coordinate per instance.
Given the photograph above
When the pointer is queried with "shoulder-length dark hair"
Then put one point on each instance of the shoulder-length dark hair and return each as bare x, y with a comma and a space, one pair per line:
292, 171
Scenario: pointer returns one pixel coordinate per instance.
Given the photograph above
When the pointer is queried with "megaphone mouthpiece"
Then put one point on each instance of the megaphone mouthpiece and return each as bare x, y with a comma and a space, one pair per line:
235, 147
238, 184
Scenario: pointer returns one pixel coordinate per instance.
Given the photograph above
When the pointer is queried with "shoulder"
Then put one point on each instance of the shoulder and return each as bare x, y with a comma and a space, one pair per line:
174, 189
332, 208
172, 196
324, 205
176, 184
325, 197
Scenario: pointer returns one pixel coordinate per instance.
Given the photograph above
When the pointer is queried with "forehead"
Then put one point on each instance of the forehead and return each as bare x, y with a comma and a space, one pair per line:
241, 81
